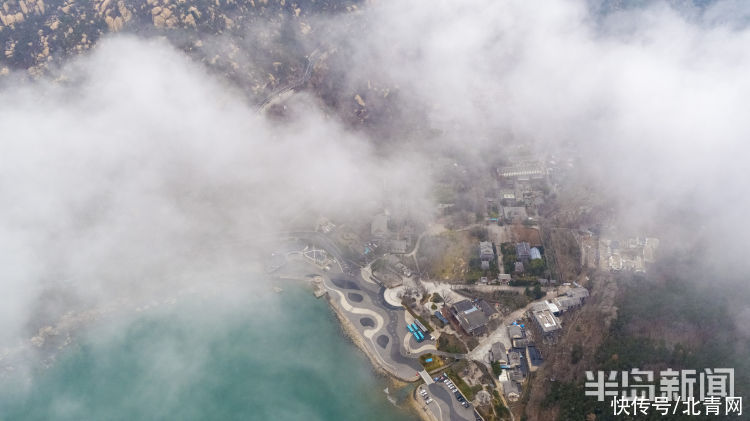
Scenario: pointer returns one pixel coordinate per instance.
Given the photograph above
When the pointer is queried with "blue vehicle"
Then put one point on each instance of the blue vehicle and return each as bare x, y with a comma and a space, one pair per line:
411, 329
441, 317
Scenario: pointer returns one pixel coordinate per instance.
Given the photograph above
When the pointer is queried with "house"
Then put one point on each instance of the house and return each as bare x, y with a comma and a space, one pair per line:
511, 390
486, 307
535, 253
517, 336
486, 252
518, 267
515, 332
499, 354
578, 292
552, 307
523, 251
516, 374
547, 322
545, 306
520, 343
514, 359
470, 317
534, 357
573, 298
566, 303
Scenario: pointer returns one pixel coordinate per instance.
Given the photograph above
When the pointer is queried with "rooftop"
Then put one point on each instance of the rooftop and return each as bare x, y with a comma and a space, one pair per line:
499, 352
547, 321
511, 388
515, 331
514, 358
463, 305
579, 292
534, 356
469, 316
565, 303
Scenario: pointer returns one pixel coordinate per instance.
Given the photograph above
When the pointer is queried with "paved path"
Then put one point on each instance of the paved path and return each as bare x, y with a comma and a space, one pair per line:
394, 356
449, 405
481, 352
390, 321
282, 91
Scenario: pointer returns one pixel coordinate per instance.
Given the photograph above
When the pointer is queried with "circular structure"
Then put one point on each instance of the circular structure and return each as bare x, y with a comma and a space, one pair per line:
367, 322
357, 298
383, 341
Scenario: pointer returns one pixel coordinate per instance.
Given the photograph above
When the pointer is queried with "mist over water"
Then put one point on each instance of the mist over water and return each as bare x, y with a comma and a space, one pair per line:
280, 357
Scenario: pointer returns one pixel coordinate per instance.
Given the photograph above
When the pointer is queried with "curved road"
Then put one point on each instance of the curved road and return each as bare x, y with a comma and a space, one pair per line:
345, 279
280, 91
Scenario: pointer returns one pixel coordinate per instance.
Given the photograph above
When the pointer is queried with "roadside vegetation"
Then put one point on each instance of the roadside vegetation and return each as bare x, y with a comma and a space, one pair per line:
468, 391
678, 324
435, 362
496, 368
453, 256
448, 342
507, 300
410, 309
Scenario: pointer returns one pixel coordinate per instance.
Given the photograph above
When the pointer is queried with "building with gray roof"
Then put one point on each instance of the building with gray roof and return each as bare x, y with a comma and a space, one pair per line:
534, 357
499, 354
523, 251
547, 322
470, 317
514, 358
511, 390
515, 332
486, 252
578, 292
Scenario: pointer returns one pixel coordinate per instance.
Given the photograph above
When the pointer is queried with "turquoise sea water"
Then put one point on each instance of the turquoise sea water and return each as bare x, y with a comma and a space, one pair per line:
273, 357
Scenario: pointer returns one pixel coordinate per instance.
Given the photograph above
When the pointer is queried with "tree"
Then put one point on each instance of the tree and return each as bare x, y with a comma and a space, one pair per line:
538, 293
480, 233
536, 267
496, 368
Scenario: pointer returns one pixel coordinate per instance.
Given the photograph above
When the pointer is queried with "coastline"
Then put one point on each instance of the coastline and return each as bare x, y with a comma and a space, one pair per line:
412, 404
351, 332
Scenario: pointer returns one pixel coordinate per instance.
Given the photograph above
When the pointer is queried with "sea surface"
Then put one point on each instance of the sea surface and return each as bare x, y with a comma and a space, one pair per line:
260, 356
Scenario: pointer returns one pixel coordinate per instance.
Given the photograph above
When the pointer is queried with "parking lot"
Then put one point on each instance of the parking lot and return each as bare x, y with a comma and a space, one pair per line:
447, 401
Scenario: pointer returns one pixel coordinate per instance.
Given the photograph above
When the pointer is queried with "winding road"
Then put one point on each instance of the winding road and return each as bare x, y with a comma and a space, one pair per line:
385, 337
289, 87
